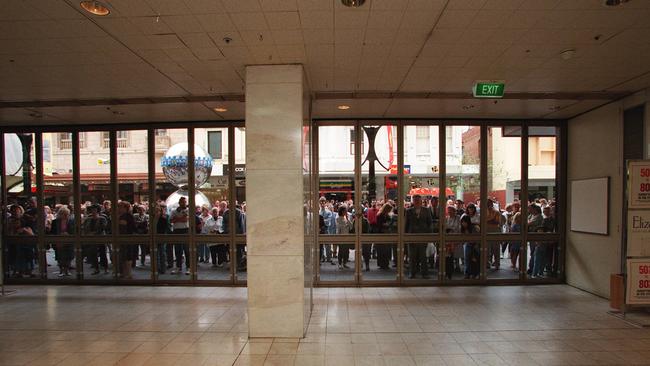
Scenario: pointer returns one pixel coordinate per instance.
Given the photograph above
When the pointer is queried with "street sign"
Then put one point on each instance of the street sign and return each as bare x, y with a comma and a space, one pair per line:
488, 89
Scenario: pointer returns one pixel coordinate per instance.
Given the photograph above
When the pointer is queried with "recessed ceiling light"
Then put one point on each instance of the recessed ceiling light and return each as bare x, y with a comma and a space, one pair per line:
220, 109
353, 3
568, 54
95, 8
343, 107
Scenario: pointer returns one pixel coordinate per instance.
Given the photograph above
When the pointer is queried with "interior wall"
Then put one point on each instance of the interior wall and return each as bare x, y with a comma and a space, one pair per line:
595, 150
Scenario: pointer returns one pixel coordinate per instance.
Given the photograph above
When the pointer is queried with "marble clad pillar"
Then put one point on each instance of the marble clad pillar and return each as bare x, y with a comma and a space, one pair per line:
274, 200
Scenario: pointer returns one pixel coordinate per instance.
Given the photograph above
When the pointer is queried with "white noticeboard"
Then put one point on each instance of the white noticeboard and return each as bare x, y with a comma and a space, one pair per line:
639, 184
590, 205
638, 233
638, 282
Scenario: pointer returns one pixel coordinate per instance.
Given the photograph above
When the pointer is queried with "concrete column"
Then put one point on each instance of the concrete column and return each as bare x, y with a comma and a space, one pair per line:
274, 200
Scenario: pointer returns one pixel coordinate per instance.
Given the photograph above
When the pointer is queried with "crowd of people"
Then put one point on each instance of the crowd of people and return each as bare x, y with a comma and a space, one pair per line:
422, 216
133, 219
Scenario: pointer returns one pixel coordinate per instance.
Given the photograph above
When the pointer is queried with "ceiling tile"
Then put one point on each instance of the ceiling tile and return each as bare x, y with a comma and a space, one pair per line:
350, 19
288, 37
168, 7
235, 6
279, 5
197, 40
466, 4
283, 20
183, 23
456, 18
389, 4
257, 38
204, 6
150, 25
118, 26
130, 8
419, 19
315, 5
317, 19
215, 22
426, 4
180, 54
349, 36
249, 21
318, 36
384, 19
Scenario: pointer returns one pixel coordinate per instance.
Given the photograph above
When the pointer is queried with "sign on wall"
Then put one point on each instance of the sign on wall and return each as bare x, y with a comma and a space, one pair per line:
638, 233
638, 282
639, 184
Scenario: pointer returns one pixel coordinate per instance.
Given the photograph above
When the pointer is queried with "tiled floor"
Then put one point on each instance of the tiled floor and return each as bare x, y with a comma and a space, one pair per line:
537, 325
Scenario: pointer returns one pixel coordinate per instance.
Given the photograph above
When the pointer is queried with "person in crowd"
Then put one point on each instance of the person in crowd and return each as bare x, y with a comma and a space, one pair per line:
165, 251
49, 217
213, 226
63, 224
452, 221
141, 219
515, 246
24, 255
471, 256
96, 224
460, 207
418, 220
180, 221
344, 226
535, 224
126, 226
240, 228
493, 225
326, 214
473, 215
385, 225
202, 249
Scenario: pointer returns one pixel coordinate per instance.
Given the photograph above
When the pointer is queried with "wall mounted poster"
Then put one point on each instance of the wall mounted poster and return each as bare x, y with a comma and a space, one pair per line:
638, 282
638, 233
639, 184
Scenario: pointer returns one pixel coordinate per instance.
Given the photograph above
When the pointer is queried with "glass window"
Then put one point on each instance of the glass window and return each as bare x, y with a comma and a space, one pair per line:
95, 179
379, 179
171, 182
21, 213
504, 178
215, 142
331, 255
423, 261
463, 179
421, 179
542, 179
133, 186
58, 206
379, 261
462, 261
422, 142
336, 179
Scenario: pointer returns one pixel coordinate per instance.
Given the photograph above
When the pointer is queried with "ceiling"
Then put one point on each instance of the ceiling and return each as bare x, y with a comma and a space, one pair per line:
423, 55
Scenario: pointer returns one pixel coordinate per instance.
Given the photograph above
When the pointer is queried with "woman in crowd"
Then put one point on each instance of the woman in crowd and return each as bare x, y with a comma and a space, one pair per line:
63, 224
385, 225
344, 226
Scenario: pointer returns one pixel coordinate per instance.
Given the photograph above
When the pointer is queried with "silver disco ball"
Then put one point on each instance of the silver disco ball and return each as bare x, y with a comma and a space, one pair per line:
175, 167
200, 199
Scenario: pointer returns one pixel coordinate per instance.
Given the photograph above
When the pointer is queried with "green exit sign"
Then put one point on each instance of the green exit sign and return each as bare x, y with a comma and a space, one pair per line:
488, 89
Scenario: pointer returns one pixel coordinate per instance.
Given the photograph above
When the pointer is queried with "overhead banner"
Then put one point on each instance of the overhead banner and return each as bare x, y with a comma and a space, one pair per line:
638, 282
638, 233
639, 184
